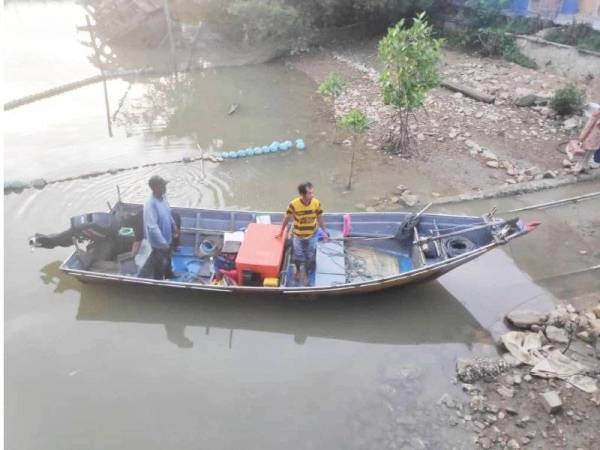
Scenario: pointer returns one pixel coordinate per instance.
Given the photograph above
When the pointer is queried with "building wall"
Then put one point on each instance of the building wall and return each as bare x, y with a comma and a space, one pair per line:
560, 11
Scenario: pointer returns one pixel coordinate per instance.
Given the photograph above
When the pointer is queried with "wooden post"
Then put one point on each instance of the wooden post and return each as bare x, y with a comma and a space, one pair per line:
101, 67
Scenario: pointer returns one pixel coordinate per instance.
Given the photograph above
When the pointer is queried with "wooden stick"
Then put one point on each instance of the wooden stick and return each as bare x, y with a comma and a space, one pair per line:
481, 96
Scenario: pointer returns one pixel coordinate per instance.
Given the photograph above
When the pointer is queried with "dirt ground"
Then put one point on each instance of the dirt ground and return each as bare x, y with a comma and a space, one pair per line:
471, 144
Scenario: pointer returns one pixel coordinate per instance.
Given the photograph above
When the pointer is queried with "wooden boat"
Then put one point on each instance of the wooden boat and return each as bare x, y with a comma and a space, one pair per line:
380, 250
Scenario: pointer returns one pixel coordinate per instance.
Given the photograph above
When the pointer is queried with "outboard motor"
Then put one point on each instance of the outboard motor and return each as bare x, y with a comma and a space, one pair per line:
93, 227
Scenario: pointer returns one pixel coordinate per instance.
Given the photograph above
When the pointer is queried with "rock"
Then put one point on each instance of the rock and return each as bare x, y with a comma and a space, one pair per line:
409, 200
524, 318
395, 199
400, 189
528, 378
551, 402
505, 392
585, 336
511, 410
457, 95
555, 334
492, 408
39, 183
492, 164
530, 100
512, 444
360, 206
479, 424
558, 317
485, 443
522, 92
511, 360
571, 123
550, 174
488, 155
347, 142
447, 401
566, 163
420, 137
531, 171
596, 311
473, 145
186, 159
594, 326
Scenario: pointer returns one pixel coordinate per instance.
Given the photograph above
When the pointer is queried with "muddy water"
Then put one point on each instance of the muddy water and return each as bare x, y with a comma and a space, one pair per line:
119, 367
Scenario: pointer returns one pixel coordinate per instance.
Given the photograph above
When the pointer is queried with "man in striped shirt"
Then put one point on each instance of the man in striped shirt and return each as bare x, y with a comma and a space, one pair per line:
306, 213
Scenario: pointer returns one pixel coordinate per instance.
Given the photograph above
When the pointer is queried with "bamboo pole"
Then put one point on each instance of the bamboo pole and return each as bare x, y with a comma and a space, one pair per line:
101, 67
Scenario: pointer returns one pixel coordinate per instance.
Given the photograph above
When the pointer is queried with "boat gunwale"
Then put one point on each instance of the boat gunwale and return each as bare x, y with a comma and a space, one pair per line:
382, 282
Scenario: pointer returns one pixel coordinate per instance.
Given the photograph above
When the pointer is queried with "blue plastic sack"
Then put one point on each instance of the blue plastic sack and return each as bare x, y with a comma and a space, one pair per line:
300, 144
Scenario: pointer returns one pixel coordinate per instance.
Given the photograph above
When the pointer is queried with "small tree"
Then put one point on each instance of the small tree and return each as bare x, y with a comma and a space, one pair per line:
411, 58
356, 122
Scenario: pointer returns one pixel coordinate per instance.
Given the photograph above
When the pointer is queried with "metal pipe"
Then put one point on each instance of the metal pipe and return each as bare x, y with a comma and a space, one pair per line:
557, 202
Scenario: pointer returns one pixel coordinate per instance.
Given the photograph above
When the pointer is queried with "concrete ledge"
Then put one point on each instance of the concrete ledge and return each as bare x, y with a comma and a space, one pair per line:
542, 41
517, 189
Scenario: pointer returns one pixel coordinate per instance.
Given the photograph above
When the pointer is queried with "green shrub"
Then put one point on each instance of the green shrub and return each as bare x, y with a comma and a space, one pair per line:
567, 100
591, 41
333, 86
495, 42
355, 121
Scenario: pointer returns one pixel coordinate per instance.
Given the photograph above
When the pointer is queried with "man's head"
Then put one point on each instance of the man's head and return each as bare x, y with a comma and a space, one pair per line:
158, 185
306, 191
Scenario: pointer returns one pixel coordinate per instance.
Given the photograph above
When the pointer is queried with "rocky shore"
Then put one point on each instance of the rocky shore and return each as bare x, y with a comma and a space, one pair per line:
543, 392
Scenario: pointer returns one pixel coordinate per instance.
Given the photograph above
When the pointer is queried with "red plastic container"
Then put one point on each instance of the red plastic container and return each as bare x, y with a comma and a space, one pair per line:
261, 251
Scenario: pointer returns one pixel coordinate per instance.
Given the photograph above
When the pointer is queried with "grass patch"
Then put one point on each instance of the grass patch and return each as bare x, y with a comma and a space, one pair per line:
333, 86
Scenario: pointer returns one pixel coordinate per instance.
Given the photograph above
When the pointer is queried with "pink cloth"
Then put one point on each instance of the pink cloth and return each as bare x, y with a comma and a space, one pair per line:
589, 138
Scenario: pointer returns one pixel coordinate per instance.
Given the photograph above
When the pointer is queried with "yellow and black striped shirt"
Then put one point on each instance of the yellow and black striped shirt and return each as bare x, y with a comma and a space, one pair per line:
305, 216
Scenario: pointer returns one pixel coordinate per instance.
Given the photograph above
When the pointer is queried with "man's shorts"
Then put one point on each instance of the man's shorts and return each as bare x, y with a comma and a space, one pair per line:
305, 250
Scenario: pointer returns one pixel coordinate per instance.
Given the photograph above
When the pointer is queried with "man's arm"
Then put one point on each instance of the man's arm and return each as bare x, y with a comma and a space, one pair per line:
284, 225
321, 223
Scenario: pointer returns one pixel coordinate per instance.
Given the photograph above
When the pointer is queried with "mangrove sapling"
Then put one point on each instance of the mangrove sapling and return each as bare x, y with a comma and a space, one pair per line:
411, 58
356, 122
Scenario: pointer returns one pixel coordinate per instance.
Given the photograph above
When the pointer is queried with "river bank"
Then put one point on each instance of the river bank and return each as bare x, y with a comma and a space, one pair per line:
470, 144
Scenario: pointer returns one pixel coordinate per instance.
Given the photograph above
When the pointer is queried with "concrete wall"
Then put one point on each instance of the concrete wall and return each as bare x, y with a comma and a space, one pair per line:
564, 60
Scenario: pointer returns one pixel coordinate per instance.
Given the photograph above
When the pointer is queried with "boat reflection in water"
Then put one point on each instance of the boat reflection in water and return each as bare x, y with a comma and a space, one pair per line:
413, 315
